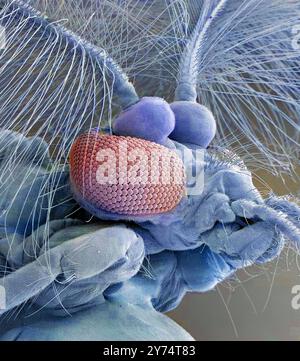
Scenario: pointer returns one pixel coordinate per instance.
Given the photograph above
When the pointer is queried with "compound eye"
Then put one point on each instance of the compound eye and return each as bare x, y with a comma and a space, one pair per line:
151, 119
125, 175
194, 124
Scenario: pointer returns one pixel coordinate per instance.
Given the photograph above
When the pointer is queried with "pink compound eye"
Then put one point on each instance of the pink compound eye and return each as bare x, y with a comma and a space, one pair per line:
126, 175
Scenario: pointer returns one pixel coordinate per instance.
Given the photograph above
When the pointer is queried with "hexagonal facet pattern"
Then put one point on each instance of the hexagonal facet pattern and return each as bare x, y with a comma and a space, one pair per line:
126, 175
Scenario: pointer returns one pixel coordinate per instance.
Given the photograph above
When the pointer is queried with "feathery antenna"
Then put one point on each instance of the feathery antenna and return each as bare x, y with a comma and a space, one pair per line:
188, 72
123, 89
